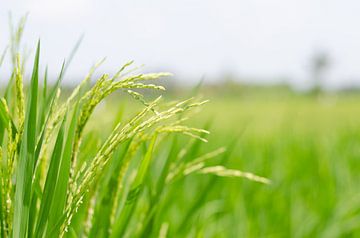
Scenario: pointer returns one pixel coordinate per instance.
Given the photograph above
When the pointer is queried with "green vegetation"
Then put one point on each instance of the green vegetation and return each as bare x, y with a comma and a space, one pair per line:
142, 174
103, 160
309, 148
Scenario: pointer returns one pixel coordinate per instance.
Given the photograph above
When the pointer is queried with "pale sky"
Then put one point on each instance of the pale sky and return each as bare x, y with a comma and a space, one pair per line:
264, 39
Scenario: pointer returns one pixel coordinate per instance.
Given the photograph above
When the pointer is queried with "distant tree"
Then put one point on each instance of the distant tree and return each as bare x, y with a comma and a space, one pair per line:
320, 63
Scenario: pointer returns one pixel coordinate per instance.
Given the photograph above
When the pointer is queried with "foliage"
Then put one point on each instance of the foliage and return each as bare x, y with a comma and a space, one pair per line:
59, 179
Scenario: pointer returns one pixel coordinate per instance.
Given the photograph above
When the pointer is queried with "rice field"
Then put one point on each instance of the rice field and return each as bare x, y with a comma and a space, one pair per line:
309, 149
111, 158
61, 178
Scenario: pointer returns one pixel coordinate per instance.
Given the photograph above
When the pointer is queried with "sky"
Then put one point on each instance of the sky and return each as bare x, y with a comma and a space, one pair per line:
255, 40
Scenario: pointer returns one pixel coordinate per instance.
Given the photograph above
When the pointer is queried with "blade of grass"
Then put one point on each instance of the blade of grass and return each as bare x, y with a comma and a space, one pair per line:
4, 120
134, 193
46, 111
2, 206
5, 117
73, 52
148, 226
60, 192
101, 223
26, 158
50, 183
2, 57
44, 103
203, 195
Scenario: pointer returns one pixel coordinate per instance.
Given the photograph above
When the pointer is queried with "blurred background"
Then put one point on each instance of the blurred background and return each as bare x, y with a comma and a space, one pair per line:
283, 77
250, 41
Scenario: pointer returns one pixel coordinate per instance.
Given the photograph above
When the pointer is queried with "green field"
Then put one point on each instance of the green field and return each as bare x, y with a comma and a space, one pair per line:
309, 148
109, 158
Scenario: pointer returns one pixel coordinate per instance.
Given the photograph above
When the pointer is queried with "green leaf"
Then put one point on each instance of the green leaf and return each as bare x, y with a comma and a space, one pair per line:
50, 183
134, 193
5, 120
26, 159
44, 103
60, 192
206, 190
2, 57
106, 200
73, 52
173, 152
2, 210
47, 108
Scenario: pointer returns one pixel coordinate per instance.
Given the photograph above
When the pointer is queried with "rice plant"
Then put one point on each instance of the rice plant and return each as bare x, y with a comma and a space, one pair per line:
59, 180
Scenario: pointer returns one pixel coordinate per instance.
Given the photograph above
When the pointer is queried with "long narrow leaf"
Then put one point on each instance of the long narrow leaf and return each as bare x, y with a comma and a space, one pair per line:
134, 193
58, 206
50, 183
26, 158
101, 224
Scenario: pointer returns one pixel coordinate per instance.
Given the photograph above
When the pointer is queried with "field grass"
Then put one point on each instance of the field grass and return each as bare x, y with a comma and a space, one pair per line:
111, 159
121, 176
308, 147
